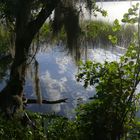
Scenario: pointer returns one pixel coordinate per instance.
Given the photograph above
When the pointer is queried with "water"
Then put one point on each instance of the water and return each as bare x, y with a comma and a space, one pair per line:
56, 70
115, 10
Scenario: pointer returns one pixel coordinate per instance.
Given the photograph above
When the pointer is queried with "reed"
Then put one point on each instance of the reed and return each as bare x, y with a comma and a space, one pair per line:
92, 31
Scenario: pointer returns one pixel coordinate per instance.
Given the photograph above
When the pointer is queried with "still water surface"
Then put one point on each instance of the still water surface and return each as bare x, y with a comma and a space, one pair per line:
55, 70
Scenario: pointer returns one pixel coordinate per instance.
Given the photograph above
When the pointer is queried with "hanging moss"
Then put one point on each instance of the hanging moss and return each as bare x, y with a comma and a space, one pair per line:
89, 4
71, 24
37, 82
57, 23
72, 28
66, 16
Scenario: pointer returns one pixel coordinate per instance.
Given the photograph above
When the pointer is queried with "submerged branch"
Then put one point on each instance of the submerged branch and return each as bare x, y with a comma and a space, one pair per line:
32, 101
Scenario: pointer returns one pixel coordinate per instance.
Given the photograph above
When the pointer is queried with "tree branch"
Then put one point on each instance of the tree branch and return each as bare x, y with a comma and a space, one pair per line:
46, 11
34, 101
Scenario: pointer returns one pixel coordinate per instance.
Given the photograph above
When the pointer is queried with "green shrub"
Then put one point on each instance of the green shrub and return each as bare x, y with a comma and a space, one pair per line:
60, 128
14, 130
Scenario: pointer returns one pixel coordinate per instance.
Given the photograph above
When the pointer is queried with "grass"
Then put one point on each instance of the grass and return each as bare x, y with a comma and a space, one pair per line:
91, 31
95, 31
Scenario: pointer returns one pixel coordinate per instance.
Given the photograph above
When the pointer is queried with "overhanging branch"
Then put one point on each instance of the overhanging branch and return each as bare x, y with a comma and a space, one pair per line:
46, 11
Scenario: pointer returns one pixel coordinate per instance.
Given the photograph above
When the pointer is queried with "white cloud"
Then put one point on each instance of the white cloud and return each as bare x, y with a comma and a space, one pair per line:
62, 63
54, 87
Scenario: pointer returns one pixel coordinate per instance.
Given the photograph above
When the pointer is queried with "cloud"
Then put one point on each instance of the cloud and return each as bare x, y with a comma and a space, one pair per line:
63, 63
54, 87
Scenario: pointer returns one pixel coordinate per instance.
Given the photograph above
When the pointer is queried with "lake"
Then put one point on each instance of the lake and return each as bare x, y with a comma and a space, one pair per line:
115, 10
54, 71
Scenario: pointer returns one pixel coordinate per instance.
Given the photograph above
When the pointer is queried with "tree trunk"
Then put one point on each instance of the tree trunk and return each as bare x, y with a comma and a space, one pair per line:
11, 95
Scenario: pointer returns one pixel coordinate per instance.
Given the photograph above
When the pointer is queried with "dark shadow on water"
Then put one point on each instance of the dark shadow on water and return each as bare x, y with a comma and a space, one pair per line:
5, 63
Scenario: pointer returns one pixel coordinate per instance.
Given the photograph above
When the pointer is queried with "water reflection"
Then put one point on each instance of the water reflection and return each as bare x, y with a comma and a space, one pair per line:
55, 78
37, 82
51, 75
5, 63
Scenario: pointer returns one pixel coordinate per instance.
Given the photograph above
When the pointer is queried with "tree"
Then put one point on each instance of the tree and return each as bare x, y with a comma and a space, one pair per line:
27, 17
113, 108
26, 25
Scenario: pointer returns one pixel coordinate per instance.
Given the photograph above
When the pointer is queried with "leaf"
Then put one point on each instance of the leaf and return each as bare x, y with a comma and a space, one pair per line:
116, 26
131, 63
104, 13
113, 39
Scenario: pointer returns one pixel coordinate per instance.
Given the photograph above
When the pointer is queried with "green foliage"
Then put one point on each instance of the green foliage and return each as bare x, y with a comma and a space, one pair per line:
93, 8
113, 107
126, 35
93, 31
60, 128
104, 32
45, 32
134, 130
14, 130
132, 15
96, 30
113, 39
114, 102
7, 8
115, 28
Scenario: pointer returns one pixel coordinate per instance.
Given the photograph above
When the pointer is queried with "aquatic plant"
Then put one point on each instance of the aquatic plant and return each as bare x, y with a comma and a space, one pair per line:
91, 31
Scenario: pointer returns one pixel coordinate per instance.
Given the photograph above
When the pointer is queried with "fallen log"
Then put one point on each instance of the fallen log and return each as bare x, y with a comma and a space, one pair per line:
34, 101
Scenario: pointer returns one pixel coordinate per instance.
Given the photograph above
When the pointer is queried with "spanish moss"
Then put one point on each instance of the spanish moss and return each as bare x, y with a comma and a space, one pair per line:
37, 83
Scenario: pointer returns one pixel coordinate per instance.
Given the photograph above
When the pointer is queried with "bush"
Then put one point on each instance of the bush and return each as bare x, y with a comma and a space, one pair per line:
60, 128
14, 130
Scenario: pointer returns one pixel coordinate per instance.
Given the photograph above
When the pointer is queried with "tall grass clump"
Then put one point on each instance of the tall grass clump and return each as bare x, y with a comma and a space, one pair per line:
98, 32
91, 31
125, 35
